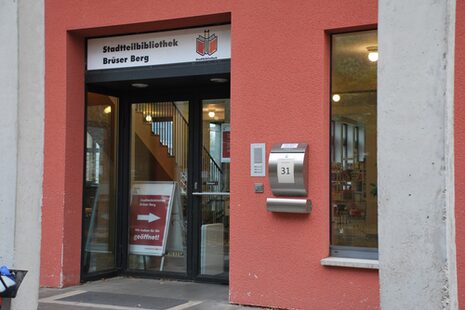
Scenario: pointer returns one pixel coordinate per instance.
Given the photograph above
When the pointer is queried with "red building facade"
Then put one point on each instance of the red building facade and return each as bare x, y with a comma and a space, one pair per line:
280, 91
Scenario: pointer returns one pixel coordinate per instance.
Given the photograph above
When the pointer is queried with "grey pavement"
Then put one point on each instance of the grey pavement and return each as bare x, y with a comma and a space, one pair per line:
138, 294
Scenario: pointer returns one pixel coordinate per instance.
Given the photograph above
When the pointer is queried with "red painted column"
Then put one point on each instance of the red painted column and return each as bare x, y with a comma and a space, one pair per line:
459, 136
63, 163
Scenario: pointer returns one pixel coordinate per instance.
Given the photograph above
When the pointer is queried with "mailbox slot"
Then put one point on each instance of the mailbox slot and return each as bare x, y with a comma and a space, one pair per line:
289, 205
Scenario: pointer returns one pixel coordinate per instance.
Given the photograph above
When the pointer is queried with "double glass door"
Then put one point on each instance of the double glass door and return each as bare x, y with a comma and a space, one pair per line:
156, 196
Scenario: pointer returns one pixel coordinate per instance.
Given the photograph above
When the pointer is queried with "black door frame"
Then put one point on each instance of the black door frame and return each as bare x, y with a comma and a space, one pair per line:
97, 81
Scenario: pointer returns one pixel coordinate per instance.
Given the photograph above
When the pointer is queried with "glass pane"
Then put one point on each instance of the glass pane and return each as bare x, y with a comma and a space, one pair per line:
214, 230
354, 204
100, 183
158, 180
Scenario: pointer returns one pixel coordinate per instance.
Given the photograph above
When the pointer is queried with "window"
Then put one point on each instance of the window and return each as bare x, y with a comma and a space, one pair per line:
354, 203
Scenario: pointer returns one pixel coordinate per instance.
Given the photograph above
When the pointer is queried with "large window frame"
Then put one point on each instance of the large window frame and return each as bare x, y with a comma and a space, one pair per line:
339, 213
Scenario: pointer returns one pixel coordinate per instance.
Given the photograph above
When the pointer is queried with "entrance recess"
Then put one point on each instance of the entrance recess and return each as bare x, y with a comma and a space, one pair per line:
156, 190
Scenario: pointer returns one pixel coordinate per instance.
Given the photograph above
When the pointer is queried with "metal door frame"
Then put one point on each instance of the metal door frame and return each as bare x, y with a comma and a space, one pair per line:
195, 97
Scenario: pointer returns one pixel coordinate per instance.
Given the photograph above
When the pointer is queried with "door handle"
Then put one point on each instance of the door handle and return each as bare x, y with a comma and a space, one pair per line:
210, 193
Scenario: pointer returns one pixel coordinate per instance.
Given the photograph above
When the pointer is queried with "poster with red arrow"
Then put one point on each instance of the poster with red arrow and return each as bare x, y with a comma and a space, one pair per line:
150, 210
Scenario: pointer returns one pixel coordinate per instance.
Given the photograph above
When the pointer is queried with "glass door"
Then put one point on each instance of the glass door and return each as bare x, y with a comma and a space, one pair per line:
213, 199
99, 228
168, 215
158, 172
174, 228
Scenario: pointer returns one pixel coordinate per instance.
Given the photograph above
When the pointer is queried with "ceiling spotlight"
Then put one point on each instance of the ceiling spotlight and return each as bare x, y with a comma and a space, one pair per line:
211, 114
139, 85
373, 53
107, 109
148, 118
218, 80
336, 97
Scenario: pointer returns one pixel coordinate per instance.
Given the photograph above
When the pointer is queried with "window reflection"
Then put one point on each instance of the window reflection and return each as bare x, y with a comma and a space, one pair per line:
216, 157
100, 183
353, 141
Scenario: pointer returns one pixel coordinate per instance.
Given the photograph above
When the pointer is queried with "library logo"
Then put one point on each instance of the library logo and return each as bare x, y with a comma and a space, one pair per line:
207, 44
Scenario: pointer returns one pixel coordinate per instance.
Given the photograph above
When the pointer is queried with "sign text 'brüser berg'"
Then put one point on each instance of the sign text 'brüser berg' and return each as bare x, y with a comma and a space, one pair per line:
159, 48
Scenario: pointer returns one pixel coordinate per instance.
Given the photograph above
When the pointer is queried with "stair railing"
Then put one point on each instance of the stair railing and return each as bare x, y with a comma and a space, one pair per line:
168, 123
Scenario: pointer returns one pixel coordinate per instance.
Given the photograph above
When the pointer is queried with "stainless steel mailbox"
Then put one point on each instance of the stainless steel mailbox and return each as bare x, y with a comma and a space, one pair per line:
287, 169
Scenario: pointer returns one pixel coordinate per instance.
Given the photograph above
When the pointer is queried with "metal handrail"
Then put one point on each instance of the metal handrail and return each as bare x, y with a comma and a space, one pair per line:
211, 193
203, 146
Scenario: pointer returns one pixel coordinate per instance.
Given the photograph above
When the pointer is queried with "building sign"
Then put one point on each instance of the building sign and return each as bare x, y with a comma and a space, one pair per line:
151, 206
159, 48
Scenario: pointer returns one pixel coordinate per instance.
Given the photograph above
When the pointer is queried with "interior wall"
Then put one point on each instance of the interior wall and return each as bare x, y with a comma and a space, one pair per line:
279, 93
147, 168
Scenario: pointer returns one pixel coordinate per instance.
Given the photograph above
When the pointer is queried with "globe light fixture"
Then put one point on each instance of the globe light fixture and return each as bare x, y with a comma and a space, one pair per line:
373, 53
336, 98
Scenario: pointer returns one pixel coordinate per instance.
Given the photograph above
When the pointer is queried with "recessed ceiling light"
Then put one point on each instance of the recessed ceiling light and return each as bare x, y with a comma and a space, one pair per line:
336, 97
148, 118
139, 85
211, 114
218, 80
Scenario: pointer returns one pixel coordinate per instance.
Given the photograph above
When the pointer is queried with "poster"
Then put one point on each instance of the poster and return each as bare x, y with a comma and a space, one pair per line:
225, 143
150, 211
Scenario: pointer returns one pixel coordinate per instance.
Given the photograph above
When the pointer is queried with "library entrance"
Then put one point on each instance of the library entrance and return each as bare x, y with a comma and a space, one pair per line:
156, 188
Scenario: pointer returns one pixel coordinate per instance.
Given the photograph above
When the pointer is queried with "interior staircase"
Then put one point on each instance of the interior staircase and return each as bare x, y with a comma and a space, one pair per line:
153, 143
164, 131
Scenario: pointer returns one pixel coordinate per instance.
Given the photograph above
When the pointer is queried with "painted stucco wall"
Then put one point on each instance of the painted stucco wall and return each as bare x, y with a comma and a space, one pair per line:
279, 93
459, 126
